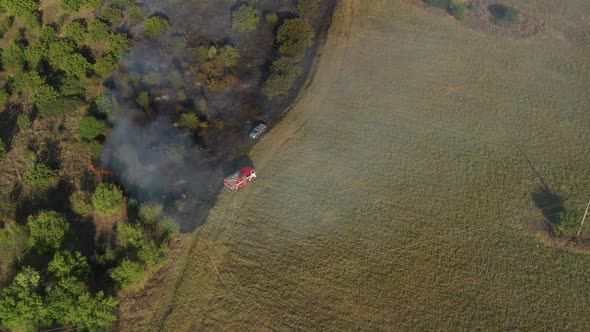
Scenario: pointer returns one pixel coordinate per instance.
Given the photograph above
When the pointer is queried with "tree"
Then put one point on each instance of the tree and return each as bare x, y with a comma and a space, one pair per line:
130, 236
229, 56
111, 14
47, 229
151, 254
191, 121
457, 10
307, 8
127, 273
91, 128
4, 96
93, 312
68, 264
98, 31
77, 32
245, 19
105, 64
20, 8
107, 199
144, 100
80, 201
13, 58
283, 74
294, 37
24, 122
155, 26
118, 44
272, 18
72, 6
2, 149
21, 305
39, 177
504, 14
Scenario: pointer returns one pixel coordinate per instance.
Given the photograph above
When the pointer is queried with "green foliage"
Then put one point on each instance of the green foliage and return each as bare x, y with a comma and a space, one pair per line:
118, 44
106, 104
68, 264
444, 4
39, 177
111, 14
568, 222
504, 14
4, 96
151, 213
72, 87
144, 100
2, 149
175, 152
75, 65
128, 273
91, 128
13, 58
155, 26
307, 8
13, 243
191, 121
20, 8
72, 6
107, 199
130, 236
458, 10
212, 52
203, 105
95, 148
48, 230
81, 203
58, 50
283, 74
200, 53
95, 313
59, 106
245, 19
272, 18
135, 14
24, 122
21, 305
5, 24
77, 32
229, 56
151, 254
152, 78
294, 37
105, 65
43, 95
97, 31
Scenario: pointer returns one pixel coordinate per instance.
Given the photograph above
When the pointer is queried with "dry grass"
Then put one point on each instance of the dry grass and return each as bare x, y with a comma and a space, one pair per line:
397, 193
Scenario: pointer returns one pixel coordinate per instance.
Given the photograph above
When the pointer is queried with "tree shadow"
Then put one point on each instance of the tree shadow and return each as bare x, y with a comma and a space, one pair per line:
549, 203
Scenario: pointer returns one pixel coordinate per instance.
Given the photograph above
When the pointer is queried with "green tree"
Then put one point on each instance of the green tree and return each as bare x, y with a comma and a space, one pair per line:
155, 26
96, 313
20, 8
39, 177
91, 128
4, 96
80, 201
294, 37
111, 14
307, 8
144, 100
191, 121
72, 6
107, 199
130, 236
245, 19
77, 32
272, 18
97, 31
13, 58
118, 44
283, 74
127, 273
21, 305
105, 65
48, 230
68, 264
151, 254
568, 222
135, 14
24, 122
229, 56
457, 10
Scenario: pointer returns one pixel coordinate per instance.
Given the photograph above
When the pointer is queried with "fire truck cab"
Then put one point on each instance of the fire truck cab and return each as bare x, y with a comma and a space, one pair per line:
239, 179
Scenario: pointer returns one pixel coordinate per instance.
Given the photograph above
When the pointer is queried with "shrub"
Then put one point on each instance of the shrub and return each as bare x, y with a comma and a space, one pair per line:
294, 37
458, 10
272, 18
97, 31
504, 14
151, 254
81, 203
200, 53
307, 8
39, 177
127, 273
245, 19
72, 6
135, 14
5, 24
130, 236
95, 148
20, 8
105, 65
24, 122
151, 213
118, 44
13, 243
59, 106
71, 87
444, 4
229, 56
106, 104
144, 100
203, 105
75, 65
43, 95
2, 149
191, 121
4, 96
283, 74
211, 52
107, 199
76, 31
567, 222
111, 14
13, 58
91, 128
155, 26
67, 264
48, 230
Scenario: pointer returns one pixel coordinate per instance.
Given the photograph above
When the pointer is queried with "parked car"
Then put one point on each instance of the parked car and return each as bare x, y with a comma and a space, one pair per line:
257, 131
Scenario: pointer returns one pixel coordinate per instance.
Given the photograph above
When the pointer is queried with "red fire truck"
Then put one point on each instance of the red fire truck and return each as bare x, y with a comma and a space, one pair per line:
239, 179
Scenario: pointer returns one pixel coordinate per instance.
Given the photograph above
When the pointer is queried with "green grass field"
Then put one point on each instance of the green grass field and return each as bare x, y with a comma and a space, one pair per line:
397, 194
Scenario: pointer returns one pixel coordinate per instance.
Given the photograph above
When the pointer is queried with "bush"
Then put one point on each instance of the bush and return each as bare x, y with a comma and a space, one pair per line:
95, 148
144, 100
245, 19
504, 14
155, 26
272, 18
294, 37
135, 14
458, 10
24, 122
127, 273
568, 222
91, 128
75, 65
130, 236
72, 6
105, 65
107, 199
211, 52
4, 96
68, 264
191, 121
48, 230
118, 44
307, 7
111, 14
13, 58
77, 32
13, 244
444, 4
97, 31
151, 254
39, 177
80, 202
20, 8
283, 74
229, 56
200, 53
59, 106
2, 149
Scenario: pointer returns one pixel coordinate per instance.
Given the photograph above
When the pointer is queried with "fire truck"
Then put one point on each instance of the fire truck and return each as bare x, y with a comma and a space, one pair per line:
239, 179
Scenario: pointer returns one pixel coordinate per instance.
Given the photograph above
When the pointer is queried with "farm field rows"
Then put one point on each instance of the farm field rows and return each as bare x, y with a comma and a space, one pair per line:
398, 192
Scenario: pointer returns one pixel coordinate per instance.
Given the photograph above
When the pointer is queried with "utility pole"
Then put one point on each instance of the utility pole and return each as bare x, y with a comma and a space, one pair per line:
584, 218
